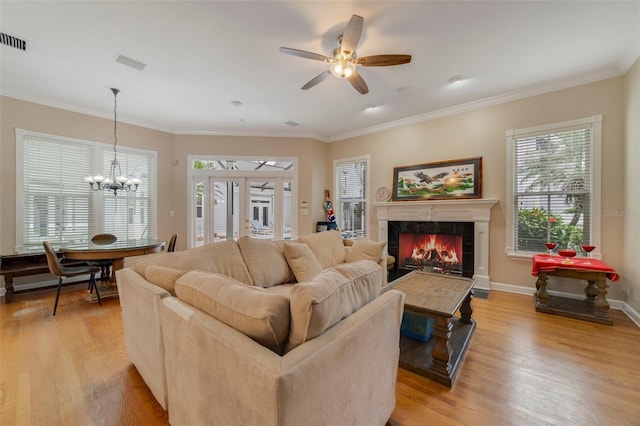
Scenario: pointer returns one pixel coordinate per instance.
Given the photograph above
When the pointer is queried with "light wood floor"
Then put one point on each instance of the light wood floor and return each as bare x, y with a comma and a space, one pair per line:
522, 368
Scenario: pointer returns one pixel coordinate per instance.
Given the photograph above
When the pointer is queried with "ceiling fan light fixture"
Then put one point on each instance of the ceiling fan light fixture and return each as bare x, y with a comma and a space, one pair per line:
342, 69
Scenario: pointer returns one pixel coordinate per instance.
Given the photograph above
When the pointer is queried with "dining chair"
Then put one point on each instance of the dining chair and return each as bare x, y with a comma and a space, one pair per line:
172, 243
105, 264
62, 271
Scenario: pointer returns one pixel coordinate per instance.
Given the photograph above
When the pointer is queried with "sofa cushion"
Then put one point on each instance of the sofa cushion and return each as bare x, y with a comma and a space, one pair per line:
255, 312
223, 258
164, 277
266, 261
327, 246
302, 261
363, 249
331, 296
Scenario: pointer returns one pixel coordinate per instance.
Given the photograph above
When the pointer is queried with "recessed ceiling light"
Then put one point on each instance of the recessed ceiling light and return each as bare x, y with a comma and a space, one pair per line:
456, 79
236, 103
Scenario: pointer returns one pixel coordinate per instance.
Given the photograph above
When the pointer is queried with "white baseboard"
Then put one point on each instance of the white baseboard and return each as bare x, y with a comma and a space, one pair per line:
528, 291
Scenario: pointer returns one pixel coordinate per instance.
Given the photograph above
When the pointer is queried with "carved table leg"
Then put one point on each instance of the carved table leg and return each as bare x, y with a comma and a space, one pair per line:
541, 285
441, 352
465, 309
590, 291
602, 306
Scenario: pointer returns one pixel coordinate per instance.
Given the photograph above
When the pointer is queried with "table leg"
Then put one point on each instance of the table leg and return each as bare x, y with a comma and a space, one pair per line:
441, 352
590, 291
541, 285
602, 306
465, 309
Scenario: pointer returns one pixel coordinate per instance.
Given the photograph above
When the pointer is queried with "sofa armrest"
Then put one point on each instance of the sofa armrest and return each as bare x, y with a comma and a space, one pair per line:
140, 302
347, 375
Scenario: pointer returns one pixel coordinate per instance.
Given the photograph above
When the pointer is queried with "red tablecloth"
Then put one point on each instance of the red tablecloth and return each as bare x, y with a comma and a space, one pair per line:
546, 263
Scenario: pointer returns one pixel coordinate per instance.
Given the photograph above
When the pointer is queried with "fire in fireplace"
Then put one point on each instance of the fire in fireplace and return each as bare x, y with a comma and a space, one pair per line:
430, 252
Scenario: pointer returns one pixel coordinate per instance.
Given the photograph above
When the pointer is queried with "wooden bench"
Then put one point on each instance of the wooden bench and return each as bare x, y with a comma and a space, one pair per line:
21, 265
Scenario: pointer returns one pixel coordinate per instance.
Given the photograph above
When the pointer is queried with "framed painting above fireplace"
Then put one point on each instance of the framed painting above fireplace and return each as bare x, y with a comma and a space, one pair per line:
445, 180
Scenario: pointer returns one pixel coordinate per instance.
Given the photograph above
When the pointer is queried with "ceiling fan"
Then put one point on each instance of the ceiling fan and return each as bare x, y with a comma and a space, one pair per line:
344, 61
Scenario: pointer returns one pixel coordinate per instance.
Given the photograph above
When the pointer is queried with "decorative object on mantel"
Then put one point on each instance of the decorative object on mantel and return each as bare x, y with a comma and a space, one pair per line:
115, 182
443, 180
383, 194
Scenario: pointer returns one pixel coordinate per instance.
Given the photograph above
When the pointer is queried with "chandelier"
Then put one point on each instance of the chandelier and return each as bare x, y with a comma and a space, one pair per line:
116, 181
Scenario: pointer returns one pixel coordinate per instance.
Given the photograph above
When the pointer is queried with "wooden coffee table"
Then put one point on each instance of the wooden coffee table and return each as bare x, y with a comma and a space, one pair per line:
437, 296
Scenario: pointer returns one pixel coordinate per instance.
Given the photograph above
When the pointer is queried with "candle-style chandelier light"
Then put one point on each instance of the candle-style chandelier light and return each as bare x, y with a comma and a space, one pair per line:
116, 181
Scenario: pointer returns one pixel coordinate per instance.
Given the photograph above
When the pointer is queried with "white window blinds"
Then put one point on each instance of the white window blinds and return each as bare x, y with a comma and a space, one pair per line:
57, 205
351, 197
552, 188
128, 215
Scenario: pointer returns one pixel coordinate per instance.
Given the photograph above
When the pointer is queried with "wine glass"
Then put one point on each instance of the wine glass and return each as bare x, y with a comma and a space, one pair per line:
588, 248
550, 246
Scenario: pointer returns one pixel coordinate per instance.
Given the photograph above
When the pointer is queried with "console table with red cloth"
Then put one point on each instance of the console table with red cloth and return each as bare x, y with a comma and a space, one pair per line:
595, 272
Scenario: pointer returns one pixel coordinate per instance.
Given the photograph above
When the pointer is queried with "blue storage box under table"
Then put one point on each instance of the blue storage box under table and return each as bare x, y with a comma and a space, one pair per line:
417, 326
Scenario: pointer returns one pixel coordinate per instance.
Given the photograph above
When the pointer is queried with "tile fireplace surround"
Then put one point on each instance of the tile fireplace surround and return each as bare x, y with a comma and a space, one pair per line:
477, 211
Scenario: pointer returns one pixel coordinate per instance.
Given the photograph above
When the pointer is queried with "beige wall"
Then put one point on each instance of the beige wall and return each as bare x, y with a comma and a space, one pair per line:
631, 253
311, 156
482, 133
40, 118
476, 133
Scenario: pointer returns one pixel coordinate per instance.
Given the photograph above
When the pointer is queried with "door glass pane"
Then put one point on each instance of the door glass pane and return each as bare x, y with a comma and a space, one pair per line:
287, 212
199, 209
261, 204
226, 210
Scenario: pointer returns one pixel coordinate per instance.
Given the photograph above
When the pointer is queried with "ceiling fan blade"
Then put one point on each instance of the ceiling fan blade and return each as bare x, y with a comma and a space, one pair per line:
317, 79
351, 35
305, 54
383, 60
358, 83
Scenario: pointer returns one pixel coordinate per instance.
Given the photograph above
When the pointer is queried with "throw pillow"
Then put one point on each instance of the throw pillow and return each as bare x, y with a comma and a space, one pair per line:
327, 246
266, 261
302, 261
365, 250
331, 296
254, 311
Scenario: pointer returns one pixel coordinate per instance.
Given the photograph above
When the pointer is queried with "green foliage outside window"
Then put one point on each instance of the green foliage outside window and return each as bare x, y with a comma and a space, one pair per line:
537, 226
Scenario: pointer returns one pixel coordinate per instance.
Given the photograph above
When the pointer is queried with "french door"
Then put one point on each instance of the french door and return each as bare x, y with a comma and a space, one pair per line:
228, 204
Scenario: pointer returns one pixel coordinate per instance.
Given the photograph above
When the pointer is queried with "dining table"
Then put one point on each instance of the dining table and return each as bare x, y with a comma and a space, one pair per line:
116, 251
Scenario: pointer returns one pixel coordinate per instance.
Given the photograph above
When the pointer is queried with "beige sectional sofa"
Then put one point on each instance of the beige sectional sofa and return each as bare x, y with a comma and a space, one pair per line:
260, 332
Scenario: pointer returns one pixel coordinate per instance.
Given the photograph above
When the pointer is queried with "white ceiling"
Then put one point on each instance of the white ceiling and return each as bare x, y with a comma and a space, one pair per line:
200, 56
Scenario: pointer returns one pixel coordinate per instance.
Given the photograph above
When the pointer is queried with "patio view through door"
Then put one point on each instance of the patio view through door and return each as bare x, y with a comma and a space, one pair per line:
238, 197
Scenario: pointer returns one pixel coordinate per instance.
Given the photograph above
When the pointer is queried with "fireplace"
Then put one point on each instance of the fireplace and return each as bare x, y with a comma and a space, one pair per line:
468, 219
440, 247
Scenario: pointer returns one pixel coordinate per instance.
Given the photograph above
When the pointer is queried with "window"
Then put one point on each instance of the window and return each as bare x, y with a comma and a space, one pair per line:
55, 204
350, 203
553, 186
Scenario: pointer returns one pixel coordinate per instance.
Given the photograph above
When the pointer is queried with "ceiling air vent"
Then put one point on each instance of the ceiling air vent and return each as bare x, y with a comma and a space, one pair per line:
130, 62
13, 41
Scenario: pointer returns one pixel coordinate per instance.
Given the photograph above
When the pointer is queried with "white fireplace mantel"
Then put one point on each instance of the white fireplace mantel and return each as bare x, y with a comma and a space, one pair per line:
477, 211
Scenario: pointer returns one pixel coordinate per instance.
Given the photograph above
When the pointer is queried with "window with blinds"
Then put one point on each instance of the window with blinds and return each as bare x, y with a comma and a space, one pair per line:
552, 175
55, 204
350, 203
128, 215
